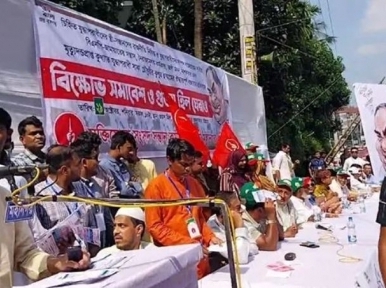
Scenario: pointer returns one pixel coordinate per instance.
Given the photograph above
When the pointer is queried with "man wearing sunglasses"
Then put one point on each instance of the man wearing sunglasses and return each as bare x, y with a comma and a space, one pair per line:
353, 159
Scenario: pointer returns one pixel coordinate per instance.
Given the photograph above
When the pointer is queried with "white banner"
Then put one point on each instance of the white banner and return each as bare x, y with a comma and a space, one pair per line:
20, 91
101, 78
371, 103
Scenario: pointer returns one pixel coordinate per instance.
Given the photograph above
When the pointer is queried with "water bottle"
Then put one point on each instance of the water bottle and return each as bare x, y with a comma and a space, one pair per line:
317, 213
344, 201
362, 205
352, 234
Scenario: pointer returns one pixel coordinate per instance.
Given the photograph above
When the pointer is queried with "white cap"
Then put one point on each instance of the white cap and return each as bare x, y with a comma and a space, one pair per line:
354, 170
135, 212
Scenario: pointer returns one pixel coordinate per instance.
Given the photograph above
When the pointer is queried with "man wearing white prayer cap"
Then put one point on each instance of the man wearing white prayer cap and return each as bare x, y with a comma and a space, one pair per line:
129, 227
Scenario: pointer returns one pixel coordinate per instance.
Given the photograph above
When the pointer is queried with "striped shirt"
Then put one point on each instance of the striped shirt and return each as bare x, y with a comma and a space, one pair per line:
27, 158
49, 214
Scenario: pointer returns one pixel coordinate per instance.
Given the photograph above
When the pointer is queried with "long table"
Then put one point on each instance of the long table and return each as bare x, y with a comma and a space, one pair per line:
319, 267
165, 267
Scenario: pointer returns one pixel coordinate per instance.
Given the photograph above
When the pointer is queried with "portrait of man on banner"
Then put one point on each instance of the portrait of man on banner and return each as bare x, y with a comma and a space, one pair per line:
371, 103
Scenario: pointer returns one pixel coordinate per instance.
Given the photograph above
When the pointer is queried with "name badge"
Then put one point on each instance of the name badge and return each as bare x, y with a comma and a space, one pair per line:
193, 230
14, 213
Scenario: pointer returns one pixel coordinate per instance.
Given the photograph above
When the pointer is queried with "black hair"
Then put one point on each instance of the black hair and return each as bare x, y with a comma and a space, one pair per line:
31, 120
176, 147
366, 164
227, 197
90, 138
333, 172
120, 138
356, 166
58, 156
353, 148
197, 154
254, 206
5, 118
84, 149
284, 145
137, 222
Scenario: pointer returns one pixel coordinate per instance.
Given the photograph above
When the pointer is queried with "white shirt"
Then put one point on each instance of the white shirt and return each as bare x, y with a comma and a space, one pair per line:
114, 249
244, 245
282, 162
286, 214
357, 185
17, 249
335, 187
303, 212
350, 161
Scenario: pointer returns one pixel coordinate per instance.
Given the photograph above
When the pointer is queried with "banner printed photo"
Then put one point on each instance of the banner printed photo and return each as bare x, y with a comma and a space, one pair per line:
371, 101
100, 78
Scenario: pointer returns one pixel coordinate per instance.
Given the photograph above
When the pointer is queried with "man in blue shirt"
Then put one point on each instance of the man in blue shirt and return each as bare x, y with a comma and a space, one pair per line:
368, 173
122, 147
316, 163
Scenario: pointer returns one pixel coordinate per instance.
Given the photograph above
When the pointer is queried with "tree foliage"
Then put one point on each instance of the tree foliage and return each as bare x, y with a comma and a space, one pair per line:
303, 84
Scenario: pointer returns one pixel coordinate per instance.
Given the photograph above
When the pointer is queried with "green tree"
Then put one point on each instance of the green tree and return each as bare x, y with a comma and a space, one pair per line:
105, 10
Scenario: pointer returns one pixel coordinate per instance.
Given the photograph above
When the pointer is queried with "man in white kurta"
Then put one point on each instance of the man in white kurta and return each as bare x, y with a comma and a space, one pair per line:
129, 228
282, 165
285, 210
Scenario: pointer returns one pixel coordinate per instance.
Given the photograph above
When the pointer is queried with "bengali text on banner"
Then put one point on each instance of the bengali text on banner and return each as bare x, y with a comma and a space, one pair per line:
100, 78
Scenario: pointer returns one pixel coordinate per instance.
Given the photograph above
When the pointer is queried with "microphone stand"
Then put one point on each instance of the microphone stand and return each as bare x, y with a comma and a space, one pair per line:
201, 202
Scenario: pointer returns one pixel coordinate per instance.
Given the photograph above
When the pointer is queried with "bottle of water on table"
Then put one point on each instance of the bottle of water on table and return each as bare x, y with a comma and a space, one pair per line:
362, 205
352, 234
344, 201
317, 213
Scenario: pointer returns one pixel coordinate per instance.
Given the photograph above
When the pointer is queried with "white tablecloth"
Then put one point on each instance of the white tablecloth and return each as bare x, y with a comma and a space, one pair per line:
165, 267
314, 268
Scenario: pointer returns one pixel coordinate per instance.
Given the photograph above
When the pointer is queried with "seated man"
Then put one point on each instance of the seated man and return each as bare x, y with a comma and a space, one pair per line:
339, 185
327, 200
298, 199
216, 223
129, 227
355, 180
285, 210
260, 217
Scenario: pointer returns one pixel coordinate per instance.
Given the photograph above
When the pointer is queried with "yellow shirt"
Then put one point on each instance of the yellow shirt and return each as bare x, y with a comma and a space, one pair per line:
17, 250
321, 191
143, 171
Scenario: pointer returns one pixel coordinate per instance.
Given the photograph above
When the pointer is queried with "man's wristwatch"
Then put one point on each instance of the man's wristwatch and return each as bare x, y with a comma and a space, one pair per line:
270, 222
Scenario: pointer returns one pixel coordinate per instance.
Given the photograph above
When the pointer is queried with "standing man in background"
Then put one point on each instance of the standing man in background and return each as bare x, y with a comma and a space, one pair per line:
353, 159
31, 135
282, 165
316, 163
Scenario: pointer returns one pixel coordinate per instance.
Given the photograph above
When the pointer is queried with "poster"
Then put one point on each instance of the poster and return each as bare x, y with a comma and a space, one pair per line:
371, 101
101, 78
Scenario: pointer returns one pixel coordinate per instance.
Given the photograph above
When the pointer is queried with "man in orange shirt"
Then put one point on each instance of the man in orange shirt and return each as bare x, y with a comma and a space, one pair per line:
178, 225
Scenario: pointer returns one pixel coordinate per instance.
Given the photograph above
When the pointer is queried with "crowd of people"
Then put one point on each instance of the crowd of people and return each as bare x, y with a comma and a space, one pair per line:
264, 210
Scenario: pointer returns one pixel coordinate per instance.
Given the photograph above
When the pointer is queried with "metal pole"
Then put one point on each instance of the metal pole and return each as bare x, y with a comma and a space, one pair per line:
228, 238
203, 202
247, 41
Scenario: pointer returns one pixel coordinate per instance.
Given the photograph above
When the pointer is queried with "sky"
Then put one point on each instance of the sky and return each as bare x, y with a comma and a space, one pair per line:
360, 29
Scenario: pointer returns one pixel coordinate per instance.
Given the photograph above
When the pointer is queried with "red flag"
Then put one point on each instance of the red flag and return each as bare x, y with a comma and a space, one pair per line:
226, 143
185, 127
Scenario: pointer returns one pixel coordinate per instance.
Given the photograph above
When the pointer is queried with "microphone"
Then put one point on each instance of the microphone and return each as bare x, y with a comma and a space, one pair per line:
20, 170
